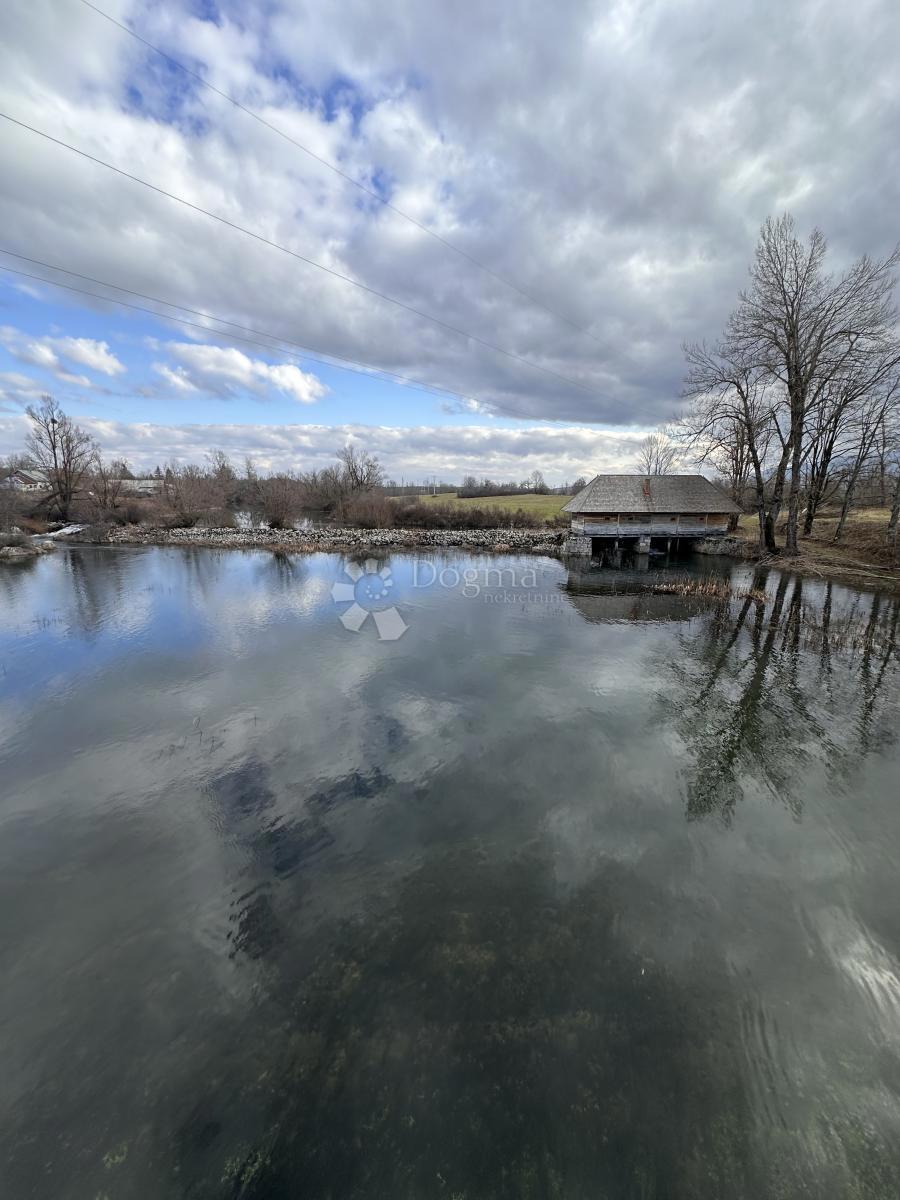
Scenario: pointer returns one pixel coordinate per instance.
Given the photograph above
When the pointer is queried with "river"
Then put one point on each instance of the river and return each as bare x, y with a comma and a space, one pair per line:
517, 882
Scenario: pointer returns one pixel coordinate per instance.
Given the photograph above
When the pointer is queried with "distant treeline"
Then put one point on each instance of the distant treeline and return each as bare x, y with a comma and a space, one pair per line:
472, 487
79, 484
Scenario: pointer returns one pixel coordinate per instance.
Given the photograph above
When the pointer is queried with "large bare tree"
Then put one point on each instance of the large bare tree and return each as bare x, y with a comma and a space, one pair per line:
362, 471
733, 421
807, 328
61, 449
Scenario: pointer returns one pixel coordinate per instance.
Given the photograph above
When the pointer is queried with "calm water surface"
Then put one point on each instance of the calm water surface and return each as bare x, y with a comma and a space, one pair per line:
575, 890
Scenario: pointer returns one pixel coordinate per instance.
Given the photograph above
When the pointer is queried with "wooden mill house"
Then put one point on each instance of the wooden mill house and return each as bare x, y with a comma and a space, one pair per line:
643, 513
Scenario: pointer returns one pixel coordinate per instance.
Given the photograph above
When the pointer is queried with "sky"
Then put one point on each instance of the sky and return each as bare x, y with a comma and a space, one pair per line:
591, 179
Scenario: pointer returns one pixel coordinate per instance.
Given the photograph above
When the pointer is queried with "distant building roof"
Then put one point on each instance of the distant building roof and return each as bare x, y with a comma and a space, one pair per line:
651, 494
26, 475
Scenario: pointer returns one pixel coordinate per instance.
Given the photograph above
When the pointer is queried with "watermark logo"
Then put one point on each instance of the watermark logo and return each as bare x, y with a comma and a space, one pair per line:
368, 596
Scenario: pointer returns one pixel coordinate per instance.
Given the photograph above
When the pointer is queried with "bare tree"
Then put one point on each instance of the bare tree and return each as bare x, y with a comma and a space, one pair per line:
191, 493
106, 486
62, 450
537, 483
657, 454
894, 521
806, 328
282, 500
733, 423
868, 424
220, 467
362, 471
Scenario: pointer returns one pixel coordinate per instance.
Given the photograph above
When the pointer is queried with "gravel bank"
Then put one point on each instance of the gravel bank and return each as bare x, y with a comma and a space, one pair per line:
359, 541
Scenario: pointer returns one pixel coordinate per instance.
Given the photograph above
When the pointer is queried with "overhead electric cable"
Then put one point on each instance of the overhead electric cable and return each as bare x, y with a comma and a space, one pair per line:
322, 357
294, 254
337, 170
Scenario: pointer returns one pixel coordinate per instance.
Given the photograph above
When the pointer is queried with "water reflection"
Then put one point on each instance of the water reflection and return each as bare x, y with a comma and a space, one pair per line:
627, 593
513, 907
750, 701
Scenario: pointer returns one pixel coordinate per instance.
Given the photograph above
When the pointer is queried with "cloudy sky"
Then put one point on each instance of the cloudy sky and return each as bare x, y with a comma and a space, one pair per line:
595, 173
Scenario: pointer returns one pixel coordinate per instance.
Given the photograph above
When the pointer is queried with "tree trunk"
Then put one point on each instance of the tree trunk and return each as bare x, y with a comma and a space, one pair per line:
894, 522
790, 541
810, 517
775, 504
761, 517
817, 487
845, 509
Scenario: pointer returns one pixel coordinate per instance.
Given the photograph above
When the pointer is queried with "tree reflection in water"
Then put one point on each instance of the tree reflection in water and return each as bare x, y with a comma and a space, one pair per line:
763, 688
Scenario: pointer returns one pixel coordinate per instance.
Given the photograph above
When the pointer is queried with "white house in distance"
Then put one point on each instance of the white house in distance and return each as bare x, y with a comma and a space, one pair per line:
636, 511
27, 479
31, 479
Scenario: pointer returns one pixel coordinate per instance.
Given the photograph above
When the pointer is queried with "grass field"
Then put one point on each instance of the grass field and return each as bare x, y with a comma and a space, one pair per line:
825, 525
544, 508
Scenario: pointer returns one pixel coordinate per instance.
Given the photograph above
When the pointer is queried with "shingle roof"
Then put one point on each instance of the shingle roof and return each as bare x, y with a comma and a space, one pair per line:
651, 494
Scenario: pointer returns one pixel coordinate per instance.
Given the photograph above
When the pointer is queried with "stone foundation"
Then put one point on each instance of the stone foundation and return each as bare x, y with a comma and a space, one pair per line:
577, 545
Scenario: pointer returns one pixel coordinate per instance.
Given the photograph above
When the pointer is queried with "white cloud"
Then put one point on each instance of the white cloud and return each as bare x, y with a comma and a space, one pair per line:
225, 371
39, 354
52, 353
178, 378
96, 356
450, 452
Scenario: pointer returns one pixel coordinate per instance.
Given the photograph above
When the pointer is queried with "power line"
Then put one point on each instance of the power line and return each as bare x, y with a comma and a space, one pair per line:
342, 364
337, 170
320, 356
295, 254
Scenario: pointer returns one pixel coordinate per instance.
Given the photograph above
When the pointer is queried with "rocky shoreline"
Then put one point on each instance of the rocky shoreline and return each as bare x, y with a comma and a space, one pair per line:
325, 540
334, 539
20, 554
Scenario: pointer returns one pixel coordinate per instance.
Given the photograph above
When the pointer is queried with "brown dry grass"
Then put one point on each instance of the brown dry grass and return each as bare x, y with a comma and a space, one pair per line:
710, 586
863, 555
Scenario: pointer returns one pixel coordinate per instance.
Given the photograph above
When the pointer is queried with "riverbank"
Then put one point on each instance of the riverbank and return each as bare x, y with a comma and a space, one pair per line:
327, 539
846, 563
861, 559
24, 553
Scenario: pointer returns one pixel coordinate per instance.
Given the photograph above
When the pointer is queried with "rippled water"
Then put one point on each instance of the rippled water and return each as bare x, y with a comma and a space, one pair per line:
576, 889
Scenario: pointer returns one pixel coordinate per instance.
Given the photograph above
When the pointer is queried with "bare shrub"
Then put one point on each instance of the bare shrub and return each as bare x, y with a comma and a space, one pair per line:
217, 518
370, 512
281, 498
356, 473
10, 504
31, 524
191, 494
